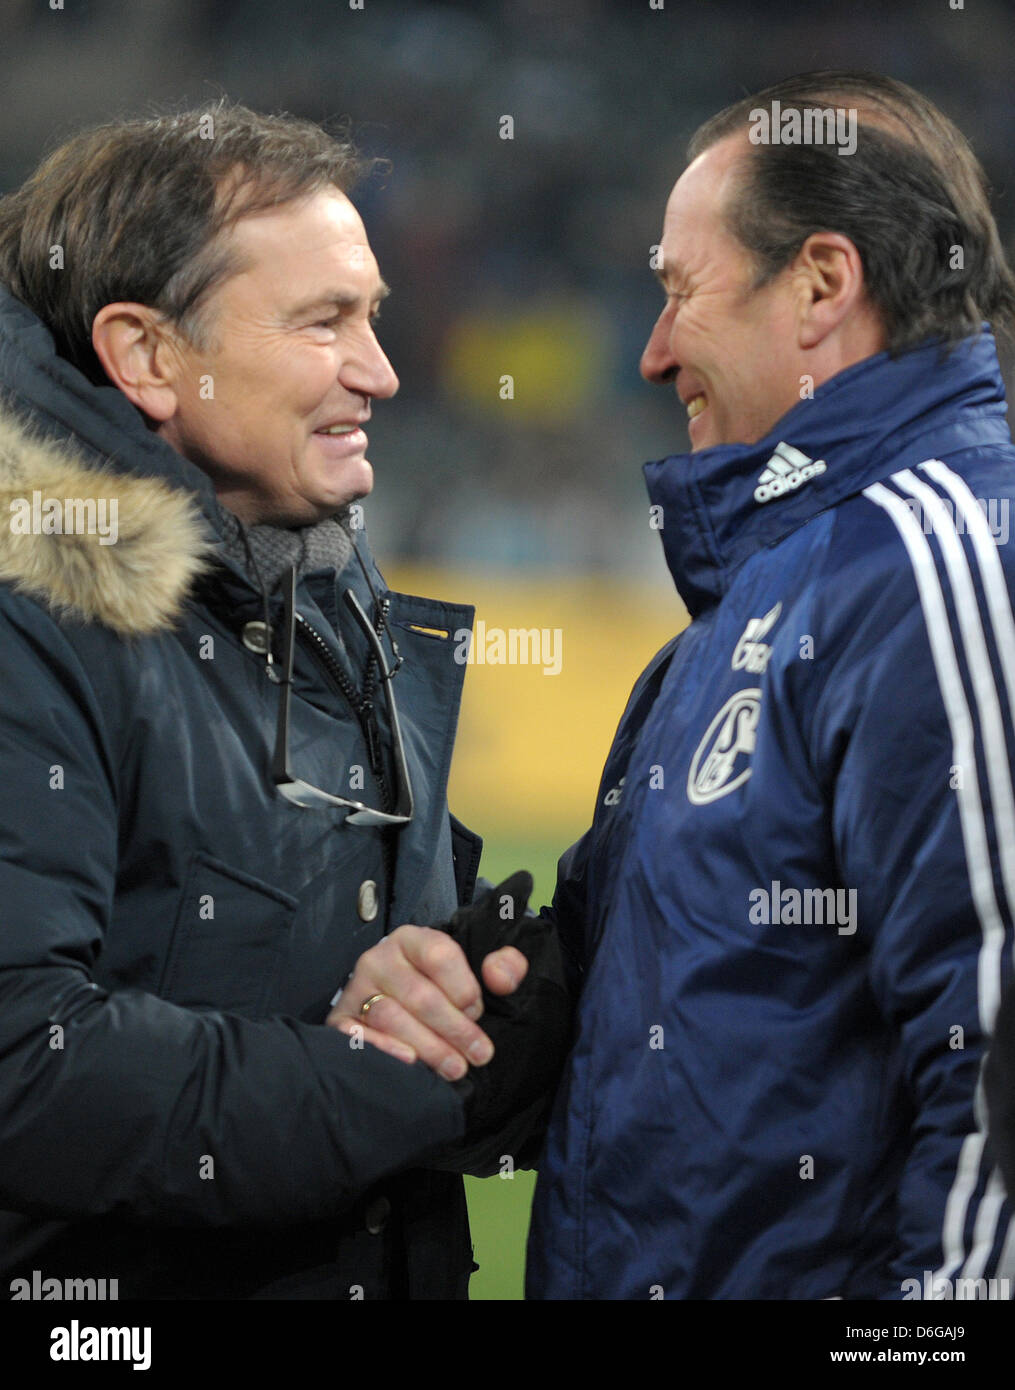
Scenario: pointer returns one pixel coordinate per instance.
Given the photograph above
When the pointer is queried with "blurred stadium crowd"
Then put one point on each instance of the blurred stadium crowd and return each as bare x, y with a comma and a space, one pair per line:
526, 257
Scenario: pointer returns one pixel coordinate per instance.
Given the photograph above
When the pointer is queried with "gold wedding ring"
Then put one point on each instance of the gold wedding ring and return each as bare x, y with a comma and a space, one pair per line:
368, 1004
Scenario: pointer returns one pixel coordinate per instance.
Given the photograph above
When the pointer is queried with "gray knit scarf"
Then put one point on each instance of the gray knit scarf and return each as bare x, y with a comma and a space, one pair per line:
265, 552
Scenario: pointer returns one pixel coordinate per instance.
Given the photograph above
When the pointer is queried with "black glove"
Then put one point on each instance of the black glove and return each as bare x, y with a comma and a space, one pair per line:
507, 1102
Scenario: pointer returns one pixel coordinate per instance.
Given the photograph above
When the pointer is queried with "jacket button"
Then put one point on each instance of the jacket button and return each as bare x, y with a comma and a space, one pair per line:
366, 904
256, 637
377, 1214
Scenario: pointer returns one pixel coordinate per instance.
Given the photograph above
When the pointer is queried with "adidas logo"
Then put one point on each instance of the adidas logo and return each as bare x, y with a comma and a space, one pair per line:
787, 469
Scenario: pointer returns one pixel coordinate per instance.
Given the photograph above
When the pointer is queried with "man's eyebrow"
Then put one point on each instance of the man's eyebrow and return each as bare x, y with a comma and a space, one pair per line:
343, 299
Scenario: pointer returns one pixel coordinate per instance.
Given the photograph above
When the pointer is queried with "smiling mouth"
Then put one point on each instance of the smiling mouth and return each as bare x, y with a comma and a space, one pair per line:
339, 442
695, 406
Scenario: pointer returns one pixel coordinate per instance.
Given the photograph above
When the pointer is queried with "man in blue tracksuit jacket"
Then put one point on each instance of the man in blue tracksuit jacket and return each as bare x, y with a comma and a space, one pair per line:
792, 918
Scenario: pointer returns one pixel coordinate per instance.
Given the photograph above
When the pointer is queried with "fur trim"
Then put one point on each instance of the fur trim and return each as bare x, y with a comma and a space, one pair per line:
134, 577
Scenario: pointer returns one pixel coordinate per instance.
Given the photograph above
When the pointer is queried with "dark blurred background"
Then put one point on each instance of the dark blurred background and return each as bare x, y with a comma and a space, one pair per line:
526, 256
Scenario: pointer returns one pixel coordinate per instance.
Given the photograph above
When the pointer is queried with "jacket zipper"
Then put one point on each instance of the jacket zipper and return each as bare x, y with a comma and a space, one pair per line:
362, 705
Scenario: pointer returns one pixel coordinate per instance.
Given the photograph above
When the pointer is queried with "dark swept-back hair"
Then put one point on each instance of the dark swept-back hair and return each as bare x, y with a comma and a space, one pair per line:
133, 210
912, 198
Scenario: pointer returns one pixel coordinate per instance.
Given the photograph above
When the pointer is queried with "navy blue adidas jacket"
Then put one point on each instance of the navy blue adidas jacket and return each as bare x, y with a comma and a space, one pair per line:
792, 915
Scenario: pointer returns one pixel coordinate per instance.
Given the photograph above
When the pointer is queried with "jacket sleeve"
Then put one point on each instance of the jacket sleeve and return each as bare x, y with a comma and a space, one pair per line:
121, 1102
918, 748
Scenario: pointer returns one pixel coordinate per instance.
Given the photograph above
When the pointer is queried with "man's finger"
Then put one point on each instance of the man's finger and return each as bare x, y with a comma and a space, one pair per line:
391, 1021
359, 1033
441, 959
417, 966
411, 991
504, 970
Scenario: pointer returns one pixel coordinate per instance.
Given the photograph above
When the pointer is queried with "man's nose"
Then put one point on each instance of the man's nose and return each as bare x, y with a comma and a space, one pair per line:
657, 361
370, 373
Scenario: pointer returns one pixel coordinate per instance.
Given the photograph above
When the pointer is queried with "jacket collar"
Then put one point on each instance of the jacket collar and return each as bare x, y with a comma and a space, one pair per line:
876, 417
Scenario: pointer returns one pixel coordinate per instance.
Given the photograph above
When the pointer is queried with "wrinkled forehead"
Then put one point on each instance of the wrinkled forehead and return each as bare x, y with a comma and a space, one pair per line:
322, 213
318, 232
694, 226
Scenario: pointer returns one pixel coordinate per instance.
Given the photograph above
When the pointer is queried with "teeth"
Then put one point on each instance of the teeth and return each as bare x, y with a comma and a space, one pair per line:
695, 406
339, 429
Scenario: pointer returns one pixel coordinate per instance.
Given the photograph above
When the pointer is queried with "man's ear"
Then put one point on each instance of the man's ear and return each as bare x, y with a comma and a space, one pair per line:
829, 276
130, 342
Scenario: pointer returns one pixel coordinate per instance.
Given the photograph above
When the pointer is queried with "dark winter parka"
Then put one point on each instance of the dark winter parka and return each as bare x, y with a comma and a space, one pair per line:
173, 1114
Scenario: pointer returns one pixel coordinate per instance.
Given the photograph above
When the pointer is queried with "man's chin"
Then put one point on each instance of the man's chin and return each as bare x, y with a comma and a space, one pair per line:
335, 500
366, 486
357, 483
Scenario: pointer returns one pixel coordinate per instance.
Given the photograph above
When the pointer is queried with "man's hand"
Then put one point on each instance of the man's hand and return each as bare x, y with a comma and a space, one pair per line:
508, 1103
431, 999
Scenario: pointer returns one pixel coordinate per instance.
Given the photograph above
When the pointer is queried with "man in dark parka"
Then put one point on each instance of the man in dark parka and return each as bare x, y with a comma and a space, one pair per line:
187, 361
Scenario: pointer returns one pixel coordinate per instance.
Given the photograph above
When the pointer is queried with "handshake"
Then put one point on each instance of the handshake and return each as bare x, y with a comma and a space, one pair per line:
418, 995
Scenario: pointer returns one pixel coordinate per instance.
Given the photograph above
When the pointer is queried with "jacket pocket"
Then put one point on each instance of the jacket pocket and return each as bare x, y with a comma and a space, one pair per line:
230, 935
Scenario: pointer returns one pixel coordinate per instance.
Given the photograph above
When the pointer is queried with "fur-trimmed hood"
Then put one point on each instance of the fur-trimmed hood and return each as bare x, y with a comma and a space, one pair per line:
69, 451
95, 543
